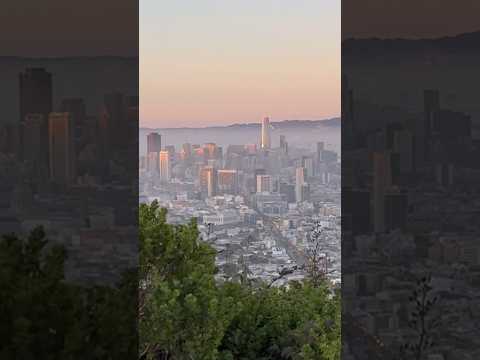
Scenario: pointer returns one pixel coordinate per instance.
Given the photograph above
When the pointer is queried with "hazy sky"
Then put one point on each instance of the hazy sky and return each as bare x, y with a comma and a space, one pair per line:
51, 28
409, 18
215, 61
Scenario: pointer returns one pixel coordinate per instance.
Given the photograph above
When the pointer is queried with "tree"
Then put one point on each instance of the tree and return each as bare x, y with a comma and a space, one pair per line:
43, 317
299, 322
422, 322
185, 314
316, 262
181, 313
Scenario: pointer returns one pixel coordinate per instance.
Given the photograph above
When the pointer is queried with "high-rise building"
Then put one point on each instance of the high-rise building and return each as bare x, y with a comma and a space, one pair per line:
228, 181
186, 152
264, 183
210, 151
77, 109
61, 148
307, 163
403, 145
431, 102
299, 183
115, 108
36, 97
35, 92
320, 149
164, 166
171, 152
153, 162
283, 144
257, 172
396, 207
208, 181
265, 141
35, 146
154, 142
154, 146
381, 183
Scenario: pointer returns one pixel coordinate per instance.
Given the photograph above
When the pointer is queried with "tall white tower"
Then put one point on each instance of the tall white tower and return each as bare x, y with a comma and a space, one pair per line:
265, 143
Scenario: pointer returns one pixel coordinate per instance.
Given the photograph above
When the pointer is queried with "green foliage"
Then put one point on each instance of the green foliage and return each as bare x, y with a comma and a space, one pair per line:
181, 313
299, 322
43, 317
185, 314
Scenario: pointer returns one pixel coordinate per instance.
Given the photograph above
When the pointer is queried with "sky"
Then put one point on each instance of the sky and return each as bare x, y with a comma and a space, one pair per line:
215, 62
413, 19
59, 28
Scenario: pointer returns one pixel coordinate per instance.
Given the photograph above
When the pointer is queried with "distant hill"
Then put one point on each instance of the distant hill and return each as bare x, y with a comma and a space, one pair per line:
285, 124
467, 43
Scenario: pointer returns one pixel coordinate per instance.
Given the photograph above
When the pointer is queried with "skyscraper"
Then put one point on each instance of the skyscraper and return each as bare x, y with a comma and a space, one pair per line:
264, 183
307, 164
154, 146
320, 149
265, 143
381, 183
153, 164
208, 181
228, 181
61, 148
283, 144
36, 97
154, 142
35, 92
115, 107
35, 146
299, 182
164, 166
210, 151
77, 109
186, 152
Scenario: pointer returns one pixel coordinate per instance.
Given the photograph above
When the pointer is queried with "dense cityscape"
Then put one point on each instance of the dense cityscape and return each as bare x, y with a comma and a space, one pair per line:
61, 168
409, 200
257, 204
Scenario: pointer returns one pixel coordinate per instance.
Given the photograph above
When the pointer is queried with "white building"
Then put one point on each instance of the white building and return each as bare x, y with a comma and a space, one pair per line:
265, 143
226, 217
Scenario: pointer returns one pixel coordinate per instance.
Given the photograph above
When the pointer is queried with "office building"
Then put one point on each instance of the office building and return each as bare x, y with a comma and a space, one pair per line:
154, 142
228, 181
208, 181
264, 183
283, 144
61, 148
35, 146
35, 92
164, 166
265, 141
381, 183
299, 183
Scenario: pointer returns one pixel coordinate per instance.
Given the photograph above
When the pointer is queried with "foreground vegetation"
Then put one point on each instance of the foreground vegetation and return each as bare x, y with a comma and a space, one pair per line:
186, 314
175, 311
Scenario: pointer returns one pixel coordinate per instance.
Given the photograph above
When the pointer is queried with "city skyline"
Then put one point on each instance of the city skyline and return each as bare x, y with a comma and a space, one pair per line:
271, 58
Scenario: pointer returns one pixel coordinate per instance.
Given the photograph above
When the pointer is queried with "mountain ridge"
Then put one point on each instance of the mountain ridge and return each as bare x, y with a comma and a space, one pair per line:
330, 122
465, 42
